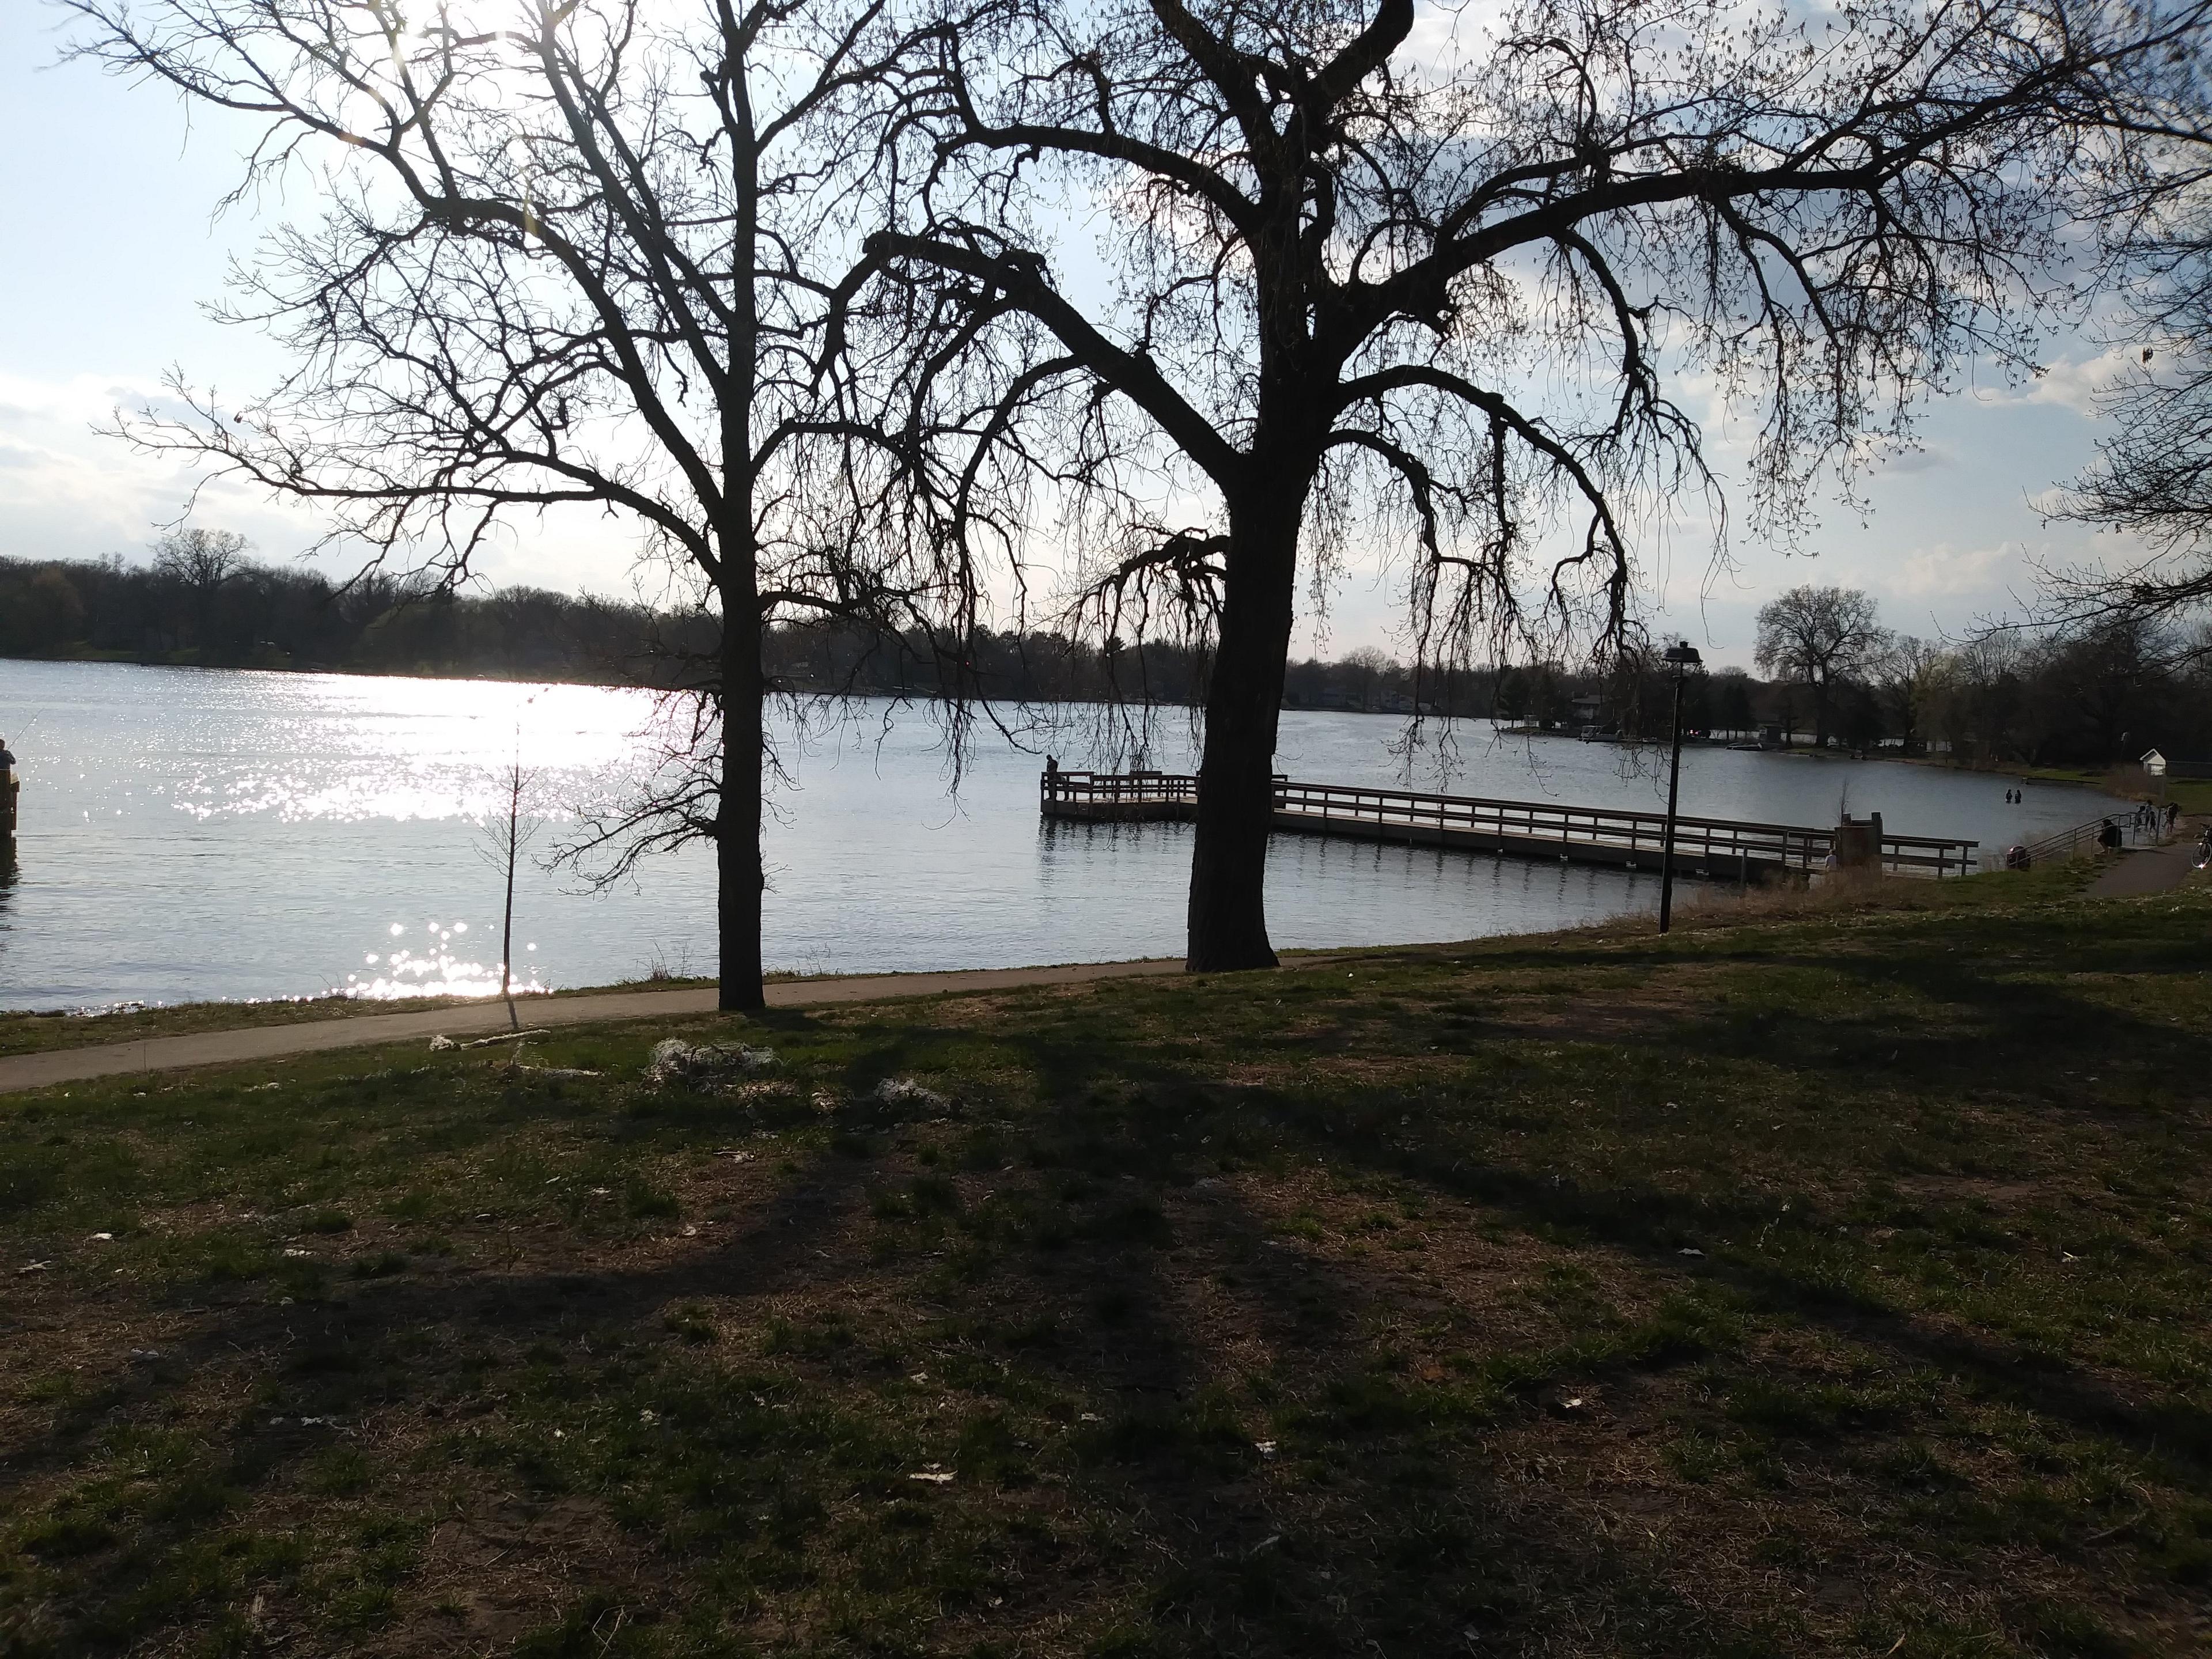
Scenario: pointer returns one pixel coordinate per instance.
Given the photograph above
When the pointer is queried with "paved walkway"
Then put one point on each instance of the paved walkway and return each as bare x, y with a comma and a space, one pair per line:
2141, 870
169, 1053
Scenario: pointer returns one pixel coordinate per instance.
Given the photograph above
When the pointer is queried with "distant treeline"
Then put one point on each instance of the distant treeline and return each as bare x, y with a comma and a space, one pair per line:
211, 607
202, 601
2089, 698
2092, 697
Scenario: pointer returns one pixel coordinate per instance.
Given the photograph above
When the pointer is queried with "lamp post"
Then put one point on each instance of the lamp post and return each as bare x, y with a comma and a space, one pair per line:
1681, 657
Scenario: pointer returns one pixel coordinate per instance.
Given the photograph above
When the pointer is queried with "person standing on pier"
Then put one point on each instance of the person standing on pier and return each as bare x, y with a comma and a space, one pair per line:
8, 790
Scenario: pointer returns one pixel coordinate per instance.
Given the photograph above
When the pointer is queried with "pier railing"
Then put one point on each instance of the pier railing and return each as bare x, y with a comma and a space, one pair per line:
1699, 840
1119, 789
1613, 834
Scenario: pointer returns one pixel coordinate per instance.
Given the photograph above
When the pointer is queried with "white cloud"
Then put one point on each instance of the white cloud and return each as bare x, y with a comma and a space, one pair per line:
2072, 383
1943, 571
68, 491
1919, 457
71, 492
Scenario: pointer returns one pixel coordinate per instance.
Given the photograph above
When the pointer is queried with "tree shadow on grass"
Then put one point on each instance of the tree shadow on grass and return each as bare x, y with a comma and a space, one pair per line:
2015, 1034
1097, 1281
2004, 1028
1162, 1526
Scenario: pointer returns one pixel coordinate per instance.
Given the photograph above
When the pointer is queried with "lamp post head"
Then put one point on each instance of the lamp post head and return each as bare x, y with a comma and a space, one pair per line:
1683, 656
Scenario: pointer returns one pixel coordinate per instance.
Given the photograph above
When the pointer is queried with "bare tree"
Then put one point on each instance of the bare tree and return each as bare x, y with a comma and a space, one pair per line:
503, 835
2096, 690
1730, 701
573, 256
201, 562
2153, 476
2152, 479
1437, 288
1912, 676
1820, 637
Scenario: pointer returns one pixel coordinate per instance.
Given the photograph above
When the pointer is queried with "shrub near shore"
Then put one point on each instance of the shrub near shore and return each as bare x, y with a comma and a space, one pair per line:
1827, 1282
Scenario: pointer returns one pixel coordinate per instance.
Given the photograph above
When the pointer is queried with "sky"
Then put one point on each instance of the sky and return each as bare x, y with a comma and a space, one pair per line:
109, 192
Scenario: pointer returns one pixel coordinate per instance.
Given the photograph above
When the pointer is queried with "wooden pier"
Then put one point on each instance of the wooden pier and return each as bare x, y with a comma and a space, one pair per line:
1722, 848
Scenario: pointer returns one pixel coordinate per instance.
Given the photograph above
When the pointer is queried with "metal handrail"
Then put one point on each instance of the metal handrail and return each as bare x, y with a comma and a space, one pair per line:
2067, 843
2064, 843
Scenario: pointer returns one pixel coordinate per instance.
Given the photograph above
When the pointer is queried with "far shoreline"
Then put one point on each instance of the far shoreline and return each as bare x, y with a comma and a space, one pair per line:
2024, 772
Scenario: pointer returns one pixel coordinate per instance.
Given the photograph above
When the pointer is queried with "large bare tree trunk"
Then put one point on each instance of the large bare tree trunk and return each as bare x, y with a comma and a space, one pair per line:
1228, 916
739, 877
738, 822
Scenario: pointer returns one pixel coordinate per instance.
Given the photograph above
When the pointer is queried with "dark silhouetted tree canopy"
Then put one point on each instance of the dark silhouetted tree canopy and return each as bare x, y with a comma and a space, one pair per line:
1378, 270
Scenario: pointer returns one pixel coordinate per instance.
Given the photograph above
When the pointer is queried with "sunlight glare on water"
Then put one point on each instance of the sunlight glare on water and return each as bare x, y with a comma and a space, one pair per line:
417, 748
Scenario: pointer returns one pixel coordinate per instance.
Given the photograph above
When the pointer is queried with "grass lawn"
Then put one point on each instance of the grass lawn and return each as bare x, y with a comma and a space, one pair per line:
1823, 1283
2192, 795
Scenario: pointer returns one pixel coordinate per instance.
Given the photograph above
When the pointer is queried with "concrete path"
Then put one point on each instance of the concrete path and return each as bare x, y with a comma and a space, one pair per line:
2149, 869
170, 1053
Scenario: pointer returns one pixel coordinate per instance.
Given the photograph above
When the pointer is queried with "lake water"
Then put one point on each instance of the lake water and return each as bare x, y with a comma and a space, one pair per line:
191, 834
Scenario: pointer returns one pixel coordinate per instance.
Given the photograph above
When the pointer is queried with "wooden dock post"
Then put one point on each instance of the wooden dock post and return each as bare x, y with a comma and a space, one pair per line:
1857, 843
